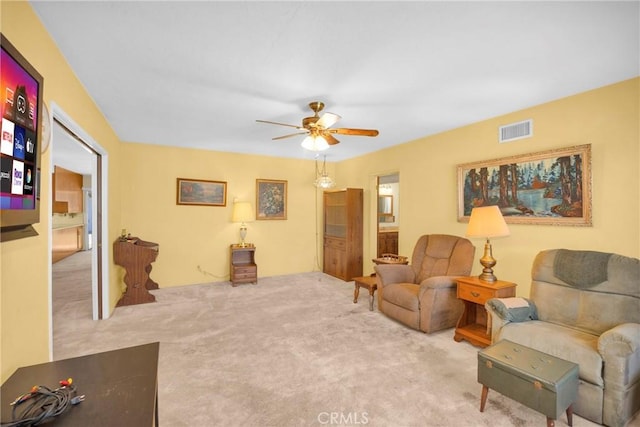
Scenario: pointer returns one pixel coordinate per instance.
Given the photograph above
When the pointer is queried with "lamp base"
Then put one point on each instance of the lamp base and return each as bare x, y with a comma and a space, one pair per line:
488, 261
243, 234
487, 276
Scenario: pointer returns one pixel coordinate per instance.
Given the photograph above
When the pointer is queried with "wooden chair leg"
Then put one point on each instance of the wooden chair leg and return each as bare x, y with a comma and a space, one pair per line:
355, 293
483, 397
570, 415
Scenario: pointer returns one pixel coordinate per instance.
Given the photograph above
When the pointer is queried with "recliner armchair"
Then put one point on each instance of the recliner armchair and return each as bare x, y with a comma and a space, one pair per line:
587, 311
422, 295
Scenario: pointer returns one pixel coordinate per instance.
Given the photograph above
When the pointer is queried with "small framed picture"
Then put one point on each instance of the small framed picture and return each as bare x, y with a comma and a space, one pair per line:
271, 199
200, 192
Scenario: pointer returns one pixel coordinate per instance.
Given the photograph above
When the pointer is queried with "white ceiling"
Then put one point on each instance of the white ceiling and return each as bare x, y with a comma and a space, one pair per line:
198, 74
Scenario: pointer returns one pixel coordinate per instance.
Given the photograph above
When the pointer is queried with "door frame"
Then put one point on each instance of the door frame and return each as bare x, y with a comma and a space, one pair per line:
99, 212
374, 207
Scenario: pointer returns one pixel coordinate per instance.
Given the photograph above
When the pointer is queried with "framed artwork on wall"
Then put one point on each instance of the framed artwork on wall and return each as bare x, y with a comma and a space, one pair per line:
271, 199
201, 192
549, 187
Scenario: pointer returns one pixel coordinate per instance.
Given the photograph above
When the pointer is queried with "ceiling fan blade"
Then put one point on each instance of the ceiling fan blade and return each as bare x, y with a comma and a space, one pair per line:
359, 132
330, 139
327, 120
281, 124
289, 136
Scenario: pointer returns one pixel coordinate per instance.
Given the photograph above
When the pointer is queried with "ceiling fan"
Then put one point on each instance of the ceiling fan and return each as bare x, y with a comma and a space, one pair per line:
318, 129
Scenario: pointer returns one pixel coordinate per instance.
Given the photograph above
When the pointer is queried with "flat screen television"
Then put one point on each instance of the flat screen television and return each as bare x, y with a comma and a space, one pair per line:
21, 88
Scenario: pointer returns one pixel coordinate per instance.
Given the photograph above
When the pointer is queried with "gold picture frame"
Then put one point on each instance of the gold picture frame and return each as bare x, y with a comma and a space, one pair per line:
200, 192
549, 187
271, 199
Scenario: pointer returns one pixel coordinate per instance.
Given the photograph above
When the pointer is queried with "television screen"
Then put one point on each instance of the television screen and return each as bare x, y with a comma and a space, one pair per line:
20, 133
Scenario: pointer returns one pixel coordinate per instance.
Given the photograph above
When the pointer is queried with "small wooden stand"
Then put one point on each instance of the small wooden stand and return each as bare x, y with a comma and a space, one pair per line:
243, 268
472, 325
136, 256
367, 282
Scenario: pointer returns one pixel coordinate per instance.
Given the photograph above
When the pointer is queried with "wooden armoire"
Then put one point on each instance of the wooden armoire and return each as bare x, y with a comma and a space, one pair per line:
343, 233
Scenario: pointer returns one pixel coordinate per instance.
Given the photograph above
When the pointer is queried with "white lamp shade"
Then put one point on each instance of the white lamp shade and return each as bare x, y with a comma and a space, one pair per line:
315, 143
487, 221
242, 212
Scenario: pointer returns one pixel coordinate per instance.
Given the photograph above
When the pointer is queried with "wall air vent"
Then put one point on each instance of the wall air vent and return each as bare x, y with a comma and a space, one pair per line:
516, 131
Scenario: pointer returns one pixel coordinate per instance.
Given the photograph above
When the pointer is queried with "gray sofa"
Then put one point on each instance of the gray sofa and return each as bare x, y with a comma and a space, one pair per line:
585, 307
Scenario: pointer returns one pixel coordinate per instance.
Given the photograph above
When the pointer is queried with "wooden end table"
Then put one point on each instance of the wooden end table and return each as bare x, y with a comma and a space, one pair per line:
472, 325
243, 268
368, 282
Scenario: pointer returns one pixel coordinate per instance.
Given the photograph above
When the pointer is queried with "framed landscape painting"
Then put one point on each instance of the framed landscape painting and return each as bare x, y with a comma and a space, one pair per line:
550, 187
200, 192
271, 199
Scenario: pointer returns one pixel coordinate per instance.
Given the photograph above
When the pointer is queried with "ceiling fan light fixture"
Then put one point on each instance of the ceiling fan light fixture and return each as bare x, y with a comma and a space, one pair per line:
315, 143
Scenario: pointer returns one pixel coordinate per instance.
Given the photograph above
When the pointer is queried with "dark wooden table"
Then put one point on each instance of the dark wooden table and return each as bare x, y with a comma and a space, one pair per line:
120, 387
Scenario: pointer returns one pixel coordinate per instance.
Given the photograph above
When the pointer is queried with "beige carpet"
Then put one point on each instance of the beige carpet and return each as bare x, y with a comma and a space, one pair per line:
290, 351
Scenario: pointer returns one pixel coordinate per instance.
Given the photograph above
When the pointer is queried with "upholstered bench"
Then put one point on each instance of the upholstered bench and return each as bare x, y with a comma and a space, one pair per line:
539, 381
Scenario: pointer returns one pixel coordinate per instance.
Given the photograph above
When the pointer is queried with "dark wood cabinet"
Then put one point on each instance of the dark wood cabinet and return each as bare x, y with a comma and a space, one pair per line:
387, 242
243, 268
343, 233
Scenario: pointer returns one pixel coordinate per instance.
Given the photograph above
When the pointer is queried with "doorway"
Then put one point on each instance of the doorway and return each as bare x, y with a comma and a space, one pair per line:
75, 149
388, 222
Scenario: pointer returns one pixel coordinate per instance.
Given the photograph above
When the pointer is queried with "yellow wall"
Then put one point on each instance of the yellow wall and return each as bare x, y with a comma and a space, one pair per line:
24, 313
194, 240
607, 118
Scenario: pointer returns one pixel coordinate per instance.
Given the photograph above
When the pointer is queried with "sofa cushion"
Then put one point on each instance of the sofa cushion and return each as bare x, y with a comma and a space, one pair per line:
593, 309
560, 341
569, 266
404, 295
442, 255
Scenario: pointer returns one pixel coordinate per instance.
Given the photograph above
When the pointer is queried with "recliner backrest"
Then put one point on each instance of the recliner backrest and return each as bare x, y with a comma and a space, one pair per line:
442, 255
606, 294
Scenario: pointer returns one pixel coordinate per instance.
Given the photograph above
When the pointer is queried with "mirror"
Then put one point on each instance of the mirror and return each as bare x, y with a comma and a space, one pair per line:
385, 205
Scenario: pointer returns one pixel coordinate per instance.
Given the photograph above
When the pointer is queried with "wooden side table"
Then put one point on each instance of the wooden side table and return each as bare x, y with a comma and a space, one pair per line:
243, 268
136, 256
368, 282
472, 325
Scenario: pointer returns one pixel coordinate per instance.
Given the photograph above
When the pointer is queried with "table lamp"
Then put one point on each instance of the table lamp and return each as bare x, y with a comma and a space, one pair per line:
486, 222
242, 213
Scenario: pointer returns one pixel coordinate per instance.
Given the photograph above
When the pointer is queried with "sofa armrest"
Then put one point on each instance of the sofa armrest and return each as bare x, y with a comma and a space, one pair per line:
620, 350
437, 282
495, 321
388, 274
621, 341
